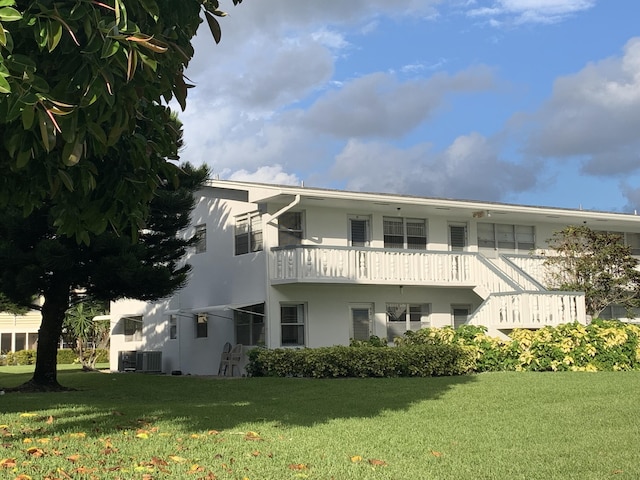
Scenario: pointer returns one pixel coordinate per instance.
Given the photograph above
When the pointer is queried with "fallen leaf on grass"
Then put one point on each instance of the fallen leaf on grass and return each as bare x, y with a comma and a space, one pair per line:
252, 436
356, 458
22, 476
177, 459
28, 415
143, 435
50, 419
213, 432
73, 458
35, 452
435, 454
78, 435
298, 466
617, 472
377, 463
195, 468
8, 463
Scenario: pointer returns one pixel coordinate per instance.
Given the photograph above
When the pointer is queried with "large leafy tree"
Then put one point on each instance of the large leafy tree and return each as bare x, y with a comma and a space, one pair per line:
37, 261
76, 78
597, 263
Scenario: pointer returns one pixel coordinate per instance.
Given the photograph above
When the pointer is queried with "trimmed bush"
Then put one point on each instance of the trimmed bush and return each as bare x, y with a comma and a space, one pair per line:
64, 357
363, 361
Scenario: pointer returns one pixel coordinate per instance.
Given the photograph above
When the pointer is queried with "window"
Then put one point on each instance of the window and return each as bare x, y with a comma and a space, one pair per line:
173, 327
460, 315
361, 315
132, 328
201, 238
290, 230
248, 233
359, 231
633, 241
457, 237
249, 325
201, 325
506, 237
402, 317
406, 233
292, 325
5, 343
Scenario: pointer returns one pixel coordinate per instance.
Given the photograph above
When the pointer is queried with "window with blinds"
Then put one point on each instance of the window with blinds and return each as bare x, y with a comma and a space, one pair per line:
506, 237
248, 233
457, 237
408, 233
403, 317
359, 231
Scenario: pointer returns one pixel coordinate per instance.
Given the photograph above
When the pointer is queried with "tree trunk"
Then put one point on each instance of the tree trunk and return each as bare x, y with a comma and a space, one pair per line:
56, 303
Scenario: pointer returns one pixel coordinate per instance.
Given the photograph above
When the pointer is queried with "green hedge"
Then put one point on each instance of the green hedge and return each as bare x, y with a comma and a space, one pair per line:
363, 361
603, 345
65, 356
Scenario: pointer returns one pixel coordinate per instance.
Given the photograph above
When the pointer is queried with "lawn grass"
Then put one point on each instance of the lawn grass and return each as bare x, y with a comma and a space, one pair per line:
489, 426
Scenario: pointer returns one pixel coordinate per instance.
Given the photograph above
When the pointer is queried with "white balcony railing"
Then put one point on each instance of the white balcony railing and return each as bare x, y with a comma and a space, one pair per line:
530, 310
382, 266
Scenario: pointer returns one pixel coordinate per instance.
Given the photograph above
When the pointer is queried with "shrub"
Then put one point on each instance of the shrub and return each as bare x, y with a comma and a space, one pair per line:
363, 361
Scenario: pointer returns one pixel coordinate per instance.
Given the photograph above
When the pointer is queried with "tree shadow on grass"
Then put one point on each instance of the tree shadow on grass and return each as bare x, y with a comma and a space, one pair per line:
105, 403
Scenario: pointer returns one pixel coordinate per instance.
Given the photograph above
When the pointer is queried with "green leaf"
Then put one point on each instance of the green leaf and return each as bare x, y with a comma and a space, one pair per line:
214, 26
4, 85
28, 115
71, 154
97, 132
3, 36
151, 7
7, 3
23, 158
8, 14
109, 48
66, 180
54, 34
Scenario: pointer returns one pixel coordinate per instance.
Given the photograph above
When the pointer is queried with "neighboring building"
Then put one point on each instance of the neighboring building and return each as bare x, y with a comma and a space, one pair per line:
19, 332
282, 266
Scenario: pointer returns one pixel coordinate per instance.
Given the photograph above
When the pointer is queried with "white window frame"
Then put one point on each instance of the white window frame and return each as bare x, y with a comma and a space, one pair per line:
465, 239
361, 306
405, 224
455, 307
409, 311
173, 327
249, 224
200, 320
506, 237
256, 329
201, 238
132, 328
367, 226
300, 322
288, 234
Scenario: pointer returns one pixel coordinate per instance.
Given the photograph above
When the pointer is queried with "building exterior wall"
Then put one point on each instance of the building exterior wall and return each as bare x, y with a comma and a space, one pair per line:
222, 282
19, 332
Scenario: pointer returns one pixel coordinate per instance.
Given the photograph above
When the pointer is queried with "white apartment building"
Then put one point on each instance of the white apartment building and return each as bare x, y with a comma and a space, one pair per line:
285, 266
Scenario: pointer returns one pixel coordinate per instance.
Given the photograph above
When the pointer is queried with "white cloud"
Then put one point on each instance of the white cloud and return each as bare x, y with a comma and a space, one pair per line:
594, 114
529, 11
469, 168
266, 174
381, 106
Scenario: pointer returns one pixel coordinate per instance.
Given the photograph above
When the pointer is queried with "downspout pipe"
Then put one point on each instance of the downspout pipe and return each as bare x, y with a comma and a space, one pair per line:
285, 209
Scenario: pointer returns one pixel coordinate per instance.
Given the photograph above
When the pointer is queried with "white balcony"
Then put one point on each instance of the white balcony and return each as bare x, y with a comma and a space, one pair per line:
311, 264
506, 311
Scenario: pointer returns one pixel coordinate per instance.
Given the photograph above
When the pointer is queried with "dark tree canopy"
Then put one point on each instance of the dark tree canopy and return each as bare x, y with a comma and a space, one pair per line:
37, 261
76, 79
597, 263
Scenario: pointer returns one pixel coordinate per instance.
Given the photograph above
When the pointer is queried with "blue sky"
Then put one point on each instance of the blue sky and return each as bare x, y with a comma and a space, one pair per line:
521, 101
